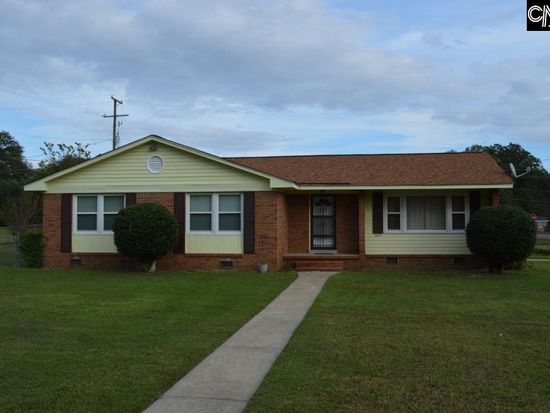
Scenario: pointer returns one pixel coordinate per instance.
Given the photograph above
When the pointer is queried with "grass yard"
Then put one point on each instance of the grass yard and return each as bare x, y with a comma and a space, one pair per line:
83, 341
6, 248
542, 249
397, 342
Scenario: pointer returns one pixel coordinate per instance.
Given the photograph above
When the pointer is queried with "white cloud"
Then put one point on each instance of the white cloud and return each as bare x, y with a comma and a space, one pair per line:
260, 77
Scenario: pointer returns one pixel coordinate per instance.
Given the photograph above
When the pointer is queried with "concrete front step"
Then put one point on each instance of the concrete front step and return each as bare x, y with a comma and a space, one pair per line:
320, 265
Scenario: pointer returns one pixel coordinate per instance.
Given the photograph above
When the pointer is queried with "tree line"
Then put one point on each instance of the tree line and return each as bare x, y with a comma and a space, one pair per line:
18, 209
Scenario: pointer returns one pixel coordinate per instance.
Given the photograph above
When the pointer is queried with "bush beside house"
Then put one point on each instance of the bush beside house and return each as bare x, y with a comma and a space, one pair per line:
501, 236
31, 247
146, 232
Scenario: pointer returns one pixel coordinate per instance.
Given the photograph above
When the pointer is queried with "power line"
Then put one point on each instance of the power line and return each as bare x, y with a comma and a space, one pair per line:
116, 137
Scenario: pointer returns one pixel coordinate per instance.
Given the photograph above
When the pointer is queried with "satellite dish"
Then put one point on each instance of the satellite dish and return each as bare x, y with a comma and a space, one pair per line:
514, 173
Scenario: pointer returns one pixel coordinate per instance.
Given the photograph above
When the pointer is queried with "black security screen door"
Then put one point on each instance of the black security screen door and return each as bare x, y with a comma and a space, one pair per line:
323, 223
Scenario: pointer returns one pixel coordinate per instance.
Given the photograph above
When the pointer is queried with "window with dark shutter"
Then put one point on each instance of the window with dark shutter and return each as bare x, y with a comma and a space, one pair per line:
179, 212
475, 202
66, 222
131, 199
377, 213
249, 204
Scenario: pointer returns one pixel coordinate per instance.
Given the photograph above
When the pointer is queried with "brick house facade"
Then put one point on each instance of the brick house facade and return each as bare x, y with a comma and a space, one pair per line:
318, 212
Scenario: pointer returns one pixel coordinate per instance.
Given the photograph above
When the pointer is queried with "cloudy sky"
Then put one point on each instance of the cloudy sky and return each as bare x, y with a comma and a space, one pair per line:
271, 77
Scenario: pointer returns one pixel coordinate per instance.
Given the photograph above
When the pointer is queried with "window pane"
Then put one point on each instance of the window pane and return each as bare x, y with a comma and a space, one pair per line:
394, 204
87, 204
394, 221
230, 203
459, 221
113, 203
200, 203
86, 223
230, 222
458, 203
108, 220
200, 222
426, 213
415, 213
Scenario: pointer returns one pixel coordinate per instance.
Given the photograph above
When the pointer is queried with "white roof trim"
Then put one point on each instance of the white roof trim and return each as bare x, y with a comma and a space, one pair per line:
41, 185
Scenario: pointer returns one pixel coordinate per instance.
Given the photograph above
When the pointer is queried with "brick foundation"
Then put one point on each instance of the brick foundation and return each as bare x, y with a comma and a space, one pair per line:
424, 261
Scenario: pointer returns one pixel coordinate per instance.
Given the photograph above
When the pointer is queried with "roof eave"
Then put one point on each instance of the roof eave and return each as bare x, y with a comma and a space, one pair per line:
328, 187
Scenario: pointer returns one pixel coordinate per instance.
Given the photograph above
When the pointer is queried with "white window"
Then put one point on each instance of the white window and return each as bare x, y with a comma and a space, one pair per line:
394, 213
458, 213
425, 213
215, 213
200, 212
96, 213
155, 164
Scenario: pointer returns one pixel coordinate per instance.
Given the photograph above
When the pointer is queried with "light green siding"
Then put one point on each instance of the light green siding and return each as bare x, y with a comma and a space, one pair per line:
93, 243
194, 244
413, 244
183, 172
213, 244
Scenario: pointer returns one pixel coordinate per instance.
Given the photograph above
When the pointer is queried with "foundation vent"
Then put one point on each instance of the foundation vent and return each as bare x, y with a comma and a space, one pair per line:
392, 260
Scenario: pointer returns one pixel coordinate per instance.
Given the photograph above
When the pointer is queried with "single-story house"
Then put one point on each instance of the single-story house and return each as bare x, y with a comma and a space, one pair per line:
308, 212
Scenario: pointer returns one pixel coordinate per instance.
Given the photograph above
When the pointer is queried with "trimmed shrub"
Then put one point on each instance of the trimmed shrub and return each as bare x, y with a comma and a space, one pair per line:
501, 236
31, 246
145, 232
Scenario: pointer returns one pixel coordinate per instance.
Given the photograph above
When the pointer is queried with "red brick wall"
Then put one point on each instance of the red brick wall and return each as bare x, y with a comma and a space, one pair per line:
298, 218
495, 197
361, 228
419, 261
347, 220
270, 239
51, 227
347, 231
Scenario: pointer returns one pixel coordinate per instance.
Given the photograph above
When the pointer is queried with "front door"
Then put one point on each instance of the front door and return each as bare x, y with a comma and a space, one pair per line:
323, 223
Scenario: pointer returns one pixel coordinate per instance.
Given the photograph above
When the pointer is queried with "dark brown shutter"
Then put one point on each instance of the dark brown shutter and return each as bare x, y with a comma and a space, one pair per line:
66, 222
179, 212
475, 202
130, 199
249, 222
377, 212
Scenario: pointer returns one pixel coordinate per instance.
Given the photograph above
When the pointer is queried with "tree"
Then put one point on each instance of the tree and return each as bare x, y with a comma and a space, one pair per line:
13, 166
146, 232
59, 157
20, 211
501, 236
532, 191
14, 169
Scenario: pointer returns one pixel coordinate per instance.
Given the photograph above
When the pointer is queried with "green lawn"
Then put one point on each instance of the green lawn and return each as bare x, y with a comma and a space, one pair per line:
542, 249
83, 341
398, 342
6, 248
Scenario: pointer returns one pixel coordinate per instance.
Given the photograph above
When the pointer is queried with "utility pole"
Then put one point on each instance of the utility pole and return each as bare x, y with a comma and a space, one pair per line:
116, 140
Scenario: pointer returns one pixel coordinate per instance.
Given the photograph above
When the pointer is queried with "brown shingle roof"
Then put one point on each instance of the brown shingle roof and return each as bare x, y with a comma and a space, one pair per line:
466, 168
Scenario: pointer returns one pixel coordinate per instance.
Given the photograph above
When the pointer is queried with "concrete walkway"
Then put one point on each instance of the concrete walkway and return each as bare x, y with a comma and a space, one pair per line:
225, 381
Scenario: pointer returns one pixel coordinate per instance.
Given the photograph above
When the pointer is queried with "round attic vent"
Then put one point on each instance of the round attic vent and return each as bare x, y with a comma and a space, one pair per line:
155, 164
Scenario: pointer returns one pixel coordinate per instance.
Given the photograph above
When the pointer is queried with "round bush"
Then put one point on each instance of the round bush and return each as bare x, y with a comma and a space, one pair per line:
145, 232
31, 246
502, 235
